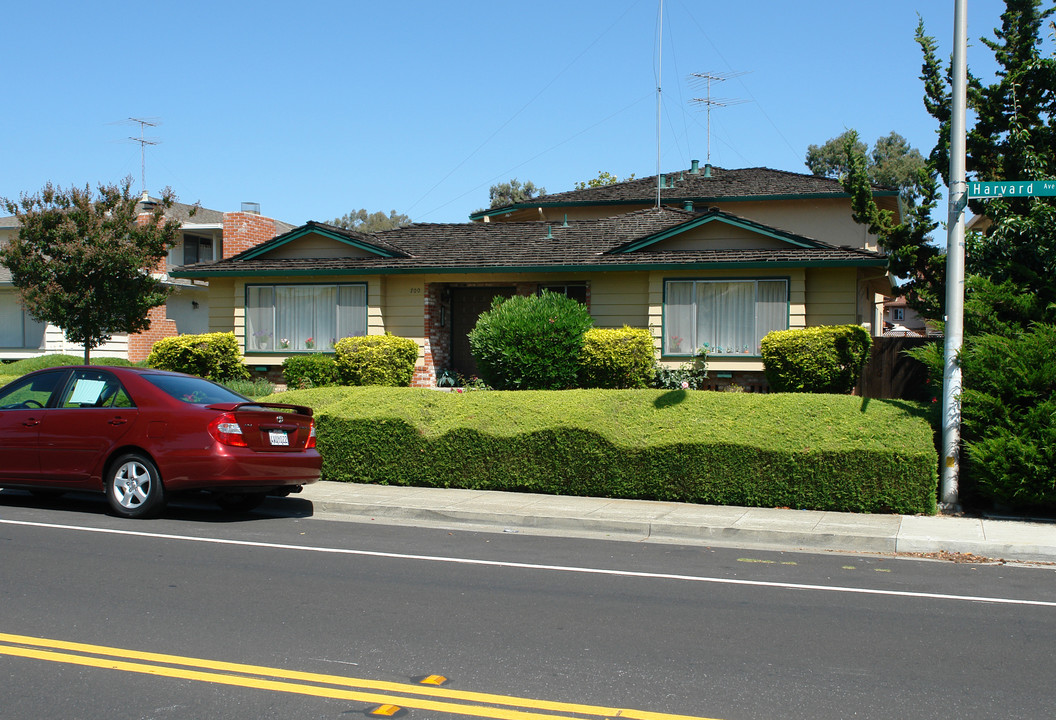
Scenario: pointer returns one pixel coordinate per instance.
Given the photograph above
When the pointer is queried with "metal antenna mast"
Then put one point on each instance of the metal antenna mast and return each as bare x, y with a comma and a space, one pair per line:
705, 79
659, 101
143, 142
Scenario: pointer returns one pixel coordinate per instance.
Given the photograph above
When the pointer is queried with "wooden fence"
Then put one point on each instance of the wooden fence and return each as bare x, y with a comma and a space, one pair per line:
890, 373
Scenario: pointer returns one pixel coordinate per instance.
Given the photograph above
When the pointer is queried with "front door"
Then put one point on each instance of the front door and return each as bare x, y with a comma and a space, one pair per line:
466, 306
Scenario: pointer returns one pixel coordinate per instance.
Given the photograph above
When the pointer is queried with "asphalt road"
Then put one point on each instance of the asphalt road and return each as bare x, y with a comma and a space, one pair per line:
205, 615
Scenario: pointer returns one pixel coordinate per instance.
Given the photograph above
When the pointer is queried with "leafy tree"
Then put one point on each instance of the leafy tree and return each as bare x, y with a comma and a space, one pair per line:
362, 221
830, 158
911, 252
1011, 269
604, 178
513, 192
893, 162
82, 262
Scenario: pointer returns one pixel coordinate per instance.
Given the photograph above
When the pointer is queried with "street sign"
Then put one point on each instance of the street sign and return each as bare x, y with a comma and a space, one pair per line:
1011, 188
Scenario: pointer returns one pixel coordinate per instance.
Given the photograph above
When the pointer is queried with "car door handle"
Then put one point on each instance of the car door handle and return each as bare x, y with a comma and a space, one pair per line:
118, 421
31, 422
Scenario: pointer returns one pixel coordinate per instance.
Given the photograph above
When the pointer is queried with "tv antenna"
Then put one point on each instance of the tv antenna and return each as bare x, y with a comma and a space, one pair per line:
143, 142
705, 79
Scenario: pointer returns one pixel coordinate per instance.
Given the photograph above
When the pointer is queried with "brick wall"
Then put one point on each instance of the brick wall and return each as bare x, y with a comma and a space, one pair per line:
425, 374
245, 230
140, 344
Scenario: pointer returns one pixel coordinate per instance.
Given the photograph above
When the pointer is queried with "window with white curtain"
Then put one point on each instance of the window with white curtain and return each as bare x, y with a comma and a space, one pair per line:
303, 318
725, 317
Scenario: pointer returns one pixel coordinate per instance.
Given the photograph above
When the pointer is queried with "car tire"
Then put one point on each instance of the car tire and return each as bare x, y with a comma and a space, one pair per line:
133, 487
240, 502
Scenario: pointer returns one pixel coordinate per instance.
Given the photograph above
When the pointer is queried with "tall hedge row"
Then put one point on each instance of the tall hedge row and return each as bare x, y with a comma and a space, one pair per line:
816, 452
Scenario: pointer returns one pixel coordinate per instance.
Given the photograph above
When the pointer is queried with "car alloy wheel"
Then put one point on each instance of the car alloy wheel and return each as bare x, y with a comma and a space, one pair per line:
134, 488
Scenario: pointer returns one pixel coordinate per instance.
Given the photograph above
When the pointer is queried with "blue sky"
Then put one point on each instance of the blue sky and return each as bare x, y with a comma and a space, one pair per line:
314, 109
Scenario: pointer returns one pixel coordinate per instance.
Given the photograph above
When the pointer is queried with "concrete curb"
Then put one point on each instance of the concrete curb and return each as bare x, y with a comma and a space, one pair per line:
649, 521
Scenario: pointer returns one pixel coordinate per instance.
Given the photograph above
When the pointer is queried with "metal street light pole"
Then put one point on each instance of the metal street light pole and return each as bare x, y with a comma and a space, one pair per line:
954, 336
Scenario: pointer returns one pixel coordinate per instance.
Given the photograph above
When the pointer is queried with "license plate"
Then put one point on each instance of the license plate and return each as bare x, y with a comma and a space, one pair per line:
278, 437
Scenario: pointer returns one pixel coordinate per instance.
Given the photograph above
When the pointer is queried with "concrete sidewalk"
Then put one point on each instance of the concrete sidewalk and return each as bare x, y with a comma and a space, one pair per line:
647, 521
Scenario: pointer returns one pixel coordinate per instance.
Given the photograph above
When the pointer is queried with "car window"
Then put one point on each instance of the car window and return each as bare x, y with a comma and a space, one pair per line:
194, 390
94, 389
32, 391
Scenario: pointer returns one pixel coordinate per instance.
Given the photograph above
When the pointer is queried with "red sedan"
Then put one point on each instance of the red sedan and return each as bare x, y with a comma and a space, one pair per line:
139, 435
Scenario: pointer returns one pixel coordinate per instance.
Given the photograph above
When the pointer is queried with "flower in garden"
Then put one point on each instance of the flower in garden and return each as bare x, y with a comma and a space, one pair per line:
685, 385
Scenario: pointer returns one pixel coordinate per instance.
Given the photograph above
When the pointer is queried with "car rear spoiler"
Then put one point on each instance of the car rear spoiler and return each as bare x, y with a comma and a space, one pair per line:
230, 407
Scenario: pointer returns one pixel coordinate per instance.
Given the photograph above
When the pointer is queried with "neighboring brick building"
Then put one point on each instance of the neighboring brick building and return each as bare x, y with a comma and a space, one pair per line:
206, 236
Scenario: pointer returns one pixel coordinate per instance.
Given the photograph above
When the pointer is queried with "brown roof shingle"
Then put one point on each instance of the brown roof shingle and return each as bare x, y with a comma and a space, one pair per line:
586, 244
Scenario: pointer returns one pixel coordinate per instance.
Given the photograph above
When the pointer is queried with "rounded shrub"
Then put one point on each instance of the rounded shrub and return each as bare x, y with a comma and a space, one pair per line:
530, 342
212, 355
618, 359
308, 371
376, 360
826, 359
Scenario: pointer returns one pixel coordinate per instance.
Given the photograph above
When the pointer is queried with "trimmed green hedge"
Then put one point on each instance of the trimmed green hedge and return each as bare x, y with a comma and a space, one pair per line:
376, 360
821, 452
211, 355
613, 358
308, 371
824, 359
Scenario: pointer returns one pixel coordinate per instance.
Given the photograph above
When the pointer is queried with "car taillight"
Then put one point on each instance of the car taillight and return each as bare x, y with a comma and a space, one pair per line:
226, 430
311, 435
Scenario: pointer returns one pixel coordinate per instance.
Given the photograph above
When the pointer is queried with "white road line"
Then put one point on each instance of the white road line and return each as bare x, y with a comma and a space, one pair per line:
534, 566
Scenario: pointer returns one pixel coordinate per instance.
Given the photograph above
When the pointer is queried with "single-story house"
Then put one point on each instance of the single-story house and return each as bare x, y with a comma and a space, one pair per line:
206, 235
715, 266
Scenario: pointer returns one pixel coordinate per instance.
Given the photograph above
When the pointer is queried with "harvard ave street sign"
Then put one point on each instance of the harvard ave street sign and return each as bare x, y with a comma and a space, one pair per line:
1009, 188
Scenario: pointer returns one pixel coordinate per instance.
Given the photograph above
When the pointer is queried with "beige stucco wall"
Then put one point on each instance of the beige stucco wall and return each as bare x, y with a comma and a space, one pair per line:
396, 304
825, 219
831, 298
318, 246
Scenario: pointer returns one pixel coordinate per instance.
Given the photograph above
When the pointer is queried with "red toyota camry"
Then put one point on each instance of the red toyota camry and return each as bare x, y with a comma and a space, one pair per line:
139, 435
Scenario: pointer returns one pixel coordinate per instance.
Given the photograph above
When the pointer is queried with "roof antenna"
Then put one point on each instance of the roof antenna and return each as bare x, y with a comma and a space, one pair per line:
659, 77
705, 79
143, 142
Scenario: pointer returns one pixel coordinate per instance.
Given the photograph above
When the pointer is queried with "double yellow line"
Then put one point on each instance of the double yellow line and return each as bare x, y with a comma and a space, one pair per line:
371, 692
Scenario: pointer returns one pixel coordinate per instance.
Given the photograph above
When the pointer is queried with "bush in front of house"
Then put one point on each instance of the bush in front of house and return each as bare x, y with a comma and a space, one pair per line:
376, 360
211, 355
530, 342
1008, 416
821, 452
308, 371
692, 375
616, 358
826, 359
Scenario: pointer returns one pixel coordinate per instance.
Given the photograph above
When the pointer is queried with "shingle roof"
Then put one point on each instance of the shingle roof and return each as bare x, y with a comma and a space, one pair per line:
701, 186
477, 247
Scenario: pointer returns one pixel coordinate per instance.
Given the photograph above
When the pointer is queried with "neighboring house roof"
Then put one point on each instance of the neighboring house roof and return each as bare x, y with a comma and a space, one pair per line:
697, 185
625, 242
183, 212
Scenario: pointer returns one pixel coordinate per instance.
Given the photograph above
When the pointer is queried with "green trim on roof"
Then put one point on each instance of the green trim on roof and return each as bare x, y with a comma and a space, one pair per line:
301, 232
747, 264
724, 218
